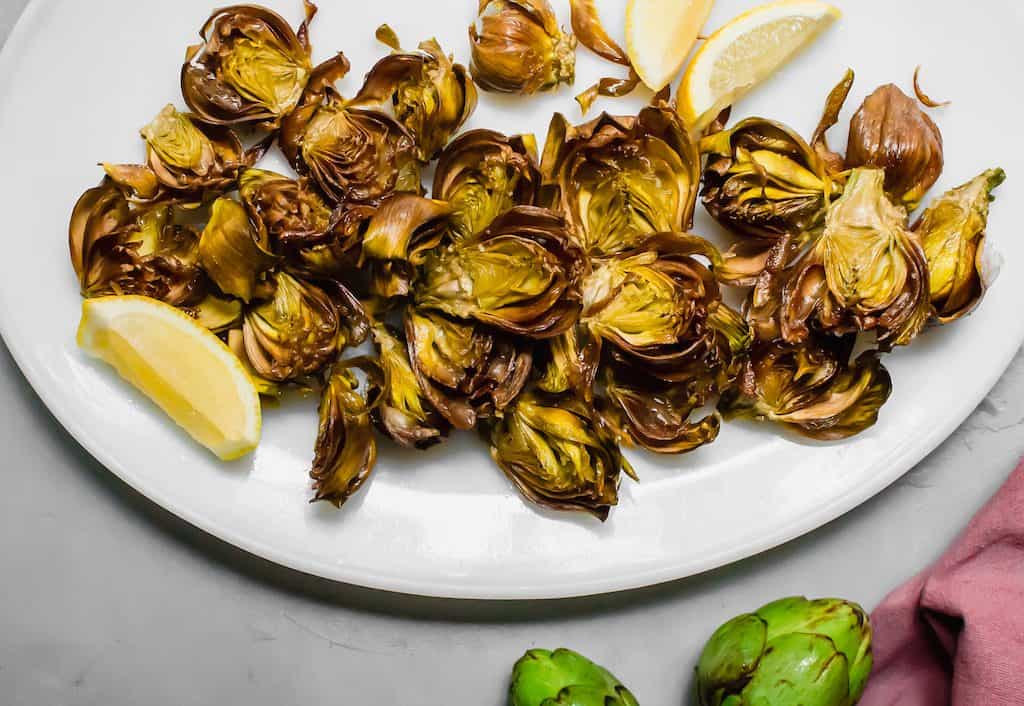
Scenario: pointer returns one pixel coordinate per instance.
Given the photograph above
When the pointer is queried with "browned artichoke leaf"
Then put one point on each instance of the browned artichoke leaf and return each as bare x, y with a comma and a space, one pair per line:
891, 132
402, 229
250, 67
952, 233
518, 48
353, 154
346, 449
569, 362
813, 388
236, 342
521, 275
404, 413
217, 313
620, 179
233, 251
557, 455
431, 96
586, 25
96, 220
482, 174
293, 334
646, 412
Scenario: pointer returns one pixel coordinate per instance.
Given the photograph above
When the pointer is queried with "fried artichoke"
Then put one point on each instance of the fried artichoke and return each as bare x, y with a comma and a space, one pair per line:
482, 174
116, 250
346, 449
233, 250
655, 415
521, 275
431, 96
353, 153
399, 234
892, 133
293, 334
251, 67
952, 233
404, 413
184, 159
291, 211
660, 308
519, 48
866, 271
770, 188
813, 388
558, 455
620, 179
466, 372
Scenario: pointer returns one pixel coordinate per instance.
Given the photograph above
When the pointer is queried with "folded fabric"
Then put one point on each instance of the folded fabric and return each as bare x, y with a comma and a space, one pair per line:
955, 633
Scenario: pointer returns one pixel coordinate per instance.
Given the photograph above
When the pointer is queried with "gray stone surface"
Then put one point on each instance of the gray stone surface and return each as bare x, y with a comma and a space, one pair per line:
110, 600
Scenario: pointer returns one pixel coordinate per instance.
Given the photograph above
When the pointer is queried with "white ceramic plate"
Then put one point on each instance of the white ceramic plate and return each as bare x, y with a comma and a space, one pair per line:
78, 79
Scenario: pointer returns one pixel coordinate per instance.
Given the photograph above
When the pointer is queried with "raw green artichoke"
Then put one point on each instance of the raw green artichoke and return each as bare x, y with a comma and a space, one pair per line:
564, 678
793, 652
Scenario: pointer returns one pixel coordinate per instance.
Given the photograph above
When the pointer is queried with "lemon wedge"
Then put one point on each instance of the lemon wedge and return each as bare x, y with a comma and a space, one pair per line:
186, 370
660, 35
745, 52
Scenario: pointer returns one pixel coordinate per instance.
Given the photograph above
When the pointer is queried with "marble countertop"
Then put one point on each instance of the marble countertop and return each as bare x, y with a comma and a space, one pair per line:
108, 599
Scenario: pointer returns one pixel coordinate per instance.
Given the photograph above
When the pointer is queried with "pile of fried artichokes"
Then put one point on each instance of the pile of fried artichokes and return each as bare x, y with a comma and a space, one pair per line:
557, 302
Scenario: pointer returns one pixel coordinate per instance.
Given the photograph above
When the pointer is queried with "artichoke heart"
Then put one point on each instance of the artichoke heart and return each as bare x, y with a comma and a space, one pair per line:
555, 452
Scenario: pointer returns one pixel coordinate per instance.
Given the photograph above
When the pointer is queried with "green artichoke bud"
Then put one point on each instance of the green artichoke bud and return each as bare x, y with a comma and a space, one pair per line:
295, 333
117, 250
291, 211
792, 651
521, 275
250, 68
400, 233
812, 388
656, 306
564, 678
569, 363
234, 251
353, 154
558, 455
464, 371
952, 233
655, 415
892, 133
432, 97
404, 413
621, 179
866, 271
346, 449
482, 174
519, 48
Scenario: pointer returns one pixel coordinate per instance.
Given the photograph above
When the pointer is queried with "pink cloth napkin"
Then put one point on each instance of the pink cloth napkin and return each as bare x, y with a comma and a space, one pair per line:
954, 635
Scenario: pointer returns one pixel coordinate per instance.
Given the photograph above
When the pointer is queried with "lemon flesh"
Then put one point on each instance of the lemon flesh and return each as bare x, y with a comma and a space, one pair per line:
745, 52
660, 35
183, 368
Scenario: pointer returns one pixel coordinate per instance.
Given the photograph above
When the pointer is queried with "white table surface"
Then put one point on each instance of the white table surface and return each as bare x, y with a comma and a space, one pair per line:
108, 599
